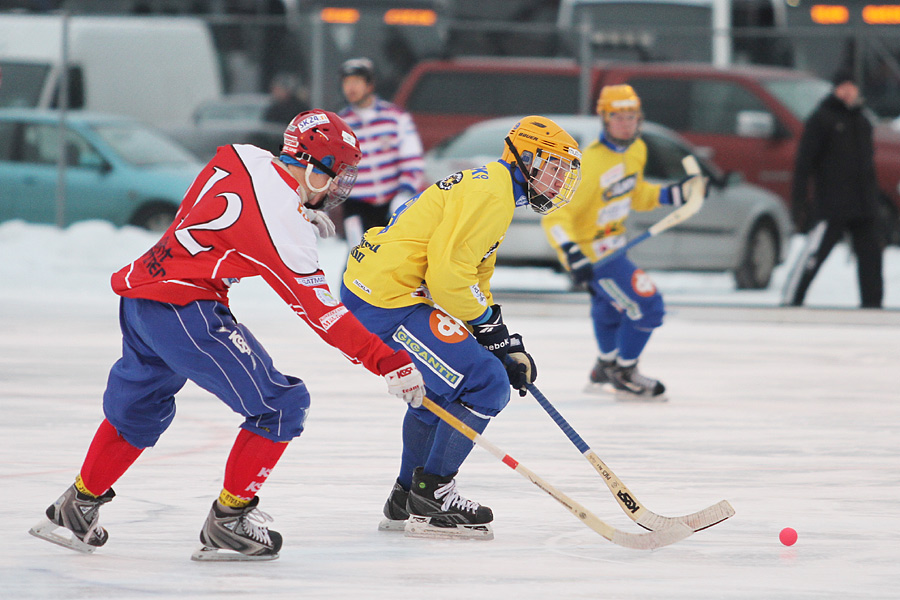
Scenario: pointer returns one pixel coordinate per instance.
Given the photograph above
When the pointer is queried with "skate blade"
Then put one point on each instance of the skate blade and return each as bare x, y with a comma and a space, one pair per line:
391, 525
46, 531
626, 396
207, 554
421, 527
599, 389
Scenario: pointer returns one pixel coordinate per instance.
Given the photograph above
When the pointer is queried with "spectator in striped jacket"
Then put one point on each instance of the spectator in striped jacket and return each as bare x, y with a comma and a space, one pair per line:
391, 169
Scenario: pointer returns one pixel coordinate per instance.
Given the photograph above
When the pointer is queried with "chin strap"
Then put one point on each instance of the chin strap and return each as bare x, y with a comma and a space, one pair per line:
519, 164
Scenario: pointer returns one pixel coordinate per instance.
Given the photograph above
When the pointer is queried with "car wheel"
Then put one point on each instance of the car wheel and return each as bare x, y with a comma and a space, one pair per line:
759, 259
155, 216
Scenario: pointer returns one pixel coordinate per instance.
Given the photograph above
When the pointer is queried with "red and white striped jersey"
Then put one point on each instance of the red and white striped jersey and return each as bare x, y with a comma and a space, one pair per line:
240, 218
391, 152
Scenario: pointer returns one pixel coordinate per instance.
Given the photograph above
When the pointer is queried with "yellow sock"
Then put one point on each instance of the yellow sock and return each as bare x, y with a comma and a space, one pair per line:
226, 498
79, 485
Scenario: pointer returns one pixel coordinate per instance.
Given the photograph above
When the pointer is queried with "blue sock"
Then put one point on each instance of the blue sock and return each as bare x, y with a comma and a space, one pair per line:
418, 438
450, 448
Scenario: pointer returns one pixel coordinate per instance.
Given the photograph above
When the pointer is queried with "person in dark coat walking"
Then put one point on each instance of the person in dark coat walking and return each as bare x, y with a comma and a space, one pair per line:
837, 153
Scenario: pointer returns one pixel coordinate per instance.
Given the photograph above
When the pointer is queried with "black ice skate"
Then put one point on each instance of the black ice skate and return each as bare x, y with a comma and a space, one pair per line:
80, 514
437, 510
598, 380
395, 514
629, 384
240, 532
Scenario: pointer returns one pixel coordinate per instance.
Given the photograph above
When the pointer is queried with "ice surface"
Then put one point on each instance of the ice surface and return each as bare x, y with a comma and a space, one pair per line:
792, 415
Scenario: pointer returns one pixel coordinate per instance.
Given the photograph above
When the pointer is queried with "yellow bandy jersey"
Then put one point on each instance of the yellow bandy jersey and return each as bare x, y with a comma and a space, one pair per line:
440, 247
612, 183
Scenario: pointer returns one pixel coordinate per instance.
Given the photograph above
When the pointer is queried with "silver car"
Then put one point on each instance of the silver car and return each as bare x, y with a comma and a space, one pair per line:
742, 228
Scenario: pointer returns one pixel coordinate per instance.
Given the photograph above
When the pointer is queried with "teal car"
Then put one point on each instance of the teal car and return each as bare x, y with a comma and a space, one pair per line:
115, 169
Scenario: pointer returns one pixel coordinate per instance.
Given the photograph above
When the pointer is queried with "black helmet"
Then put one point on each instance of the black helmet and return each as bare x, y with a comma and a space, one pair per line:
361, 67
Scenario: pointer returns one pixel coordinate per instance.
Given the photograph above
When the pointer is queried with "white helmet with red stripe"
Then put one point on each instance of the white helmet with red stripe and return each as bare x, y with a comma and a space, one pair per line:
322, 142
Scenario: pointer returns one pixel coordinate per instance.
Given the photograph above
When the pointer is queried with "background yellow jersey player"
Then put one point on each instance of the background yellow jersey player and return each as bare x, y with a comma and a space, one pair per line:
422, 283
625, 304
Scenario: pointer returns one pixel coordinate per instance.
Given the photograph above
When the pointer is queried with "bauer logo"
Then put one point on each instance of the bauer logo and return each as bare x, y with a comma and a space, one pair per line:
426, 357
312, 280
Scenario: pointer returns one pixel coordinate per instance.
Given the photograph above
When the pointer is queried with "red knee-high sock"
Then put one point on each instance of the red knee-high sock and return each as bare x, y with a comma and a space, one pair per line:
108, 457
251, 461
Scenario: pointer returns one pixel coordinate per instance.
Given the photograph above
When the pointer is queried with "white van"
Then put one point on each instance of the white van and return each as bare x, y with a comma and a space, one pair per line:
155, 69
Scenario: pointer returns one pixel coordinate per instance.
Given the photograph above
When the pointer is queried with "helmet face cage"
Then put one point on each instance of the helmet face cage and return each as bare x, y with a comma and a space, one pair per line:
554, 179
340, 185
549, 159
323, 141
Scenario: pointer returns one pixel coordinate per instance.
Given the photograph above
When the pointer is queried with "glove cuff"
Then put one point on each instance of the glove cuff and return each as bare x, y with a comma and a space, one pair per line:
393, 362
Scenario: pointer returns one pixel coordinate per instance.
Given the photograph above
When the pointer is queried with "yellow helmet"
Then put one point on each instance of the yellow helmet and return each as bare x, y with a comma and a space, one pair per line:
549, 159
618, 98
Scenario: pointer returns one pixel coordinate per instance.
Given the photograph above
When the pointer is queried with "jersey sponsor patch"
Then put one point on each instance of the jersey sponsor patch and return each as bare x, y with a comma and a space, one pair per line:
642, 284
312, 280
620, 187
330, 318
362, 286
491, 250
613, 175
326, 298
446, 328
427, 357
478, 294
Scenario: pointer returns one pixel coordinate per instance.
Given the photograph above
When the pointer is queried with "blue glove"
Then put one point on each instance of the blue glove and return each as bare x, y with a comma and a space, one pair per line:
580, 268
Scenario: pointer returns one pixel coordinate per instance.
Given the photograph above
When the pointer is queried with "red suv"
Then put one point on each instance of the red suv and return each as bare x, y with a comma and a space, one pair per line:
748, 119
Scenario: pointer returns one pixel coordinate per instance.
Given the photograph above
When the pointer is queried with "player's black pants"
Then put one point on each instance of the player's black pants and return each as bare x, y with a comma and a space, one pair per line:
359, 217
819, 243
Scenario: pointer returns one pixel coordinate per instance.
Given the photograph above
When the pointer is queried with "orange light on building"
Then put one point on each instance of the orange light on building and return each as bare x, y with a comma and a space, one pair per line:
410, 16
829, 14
339, 15
883, 14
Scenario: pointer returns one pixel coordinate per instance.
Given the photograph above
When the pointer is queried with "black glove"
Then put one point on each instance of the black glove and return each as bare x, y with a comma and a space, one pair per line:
580, 268
520, 367
493, 334
678, 192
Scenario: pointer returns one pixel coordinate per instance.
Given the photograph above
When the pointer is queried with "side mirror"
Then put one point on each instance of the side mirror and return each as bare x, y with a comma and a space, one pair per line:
755, 124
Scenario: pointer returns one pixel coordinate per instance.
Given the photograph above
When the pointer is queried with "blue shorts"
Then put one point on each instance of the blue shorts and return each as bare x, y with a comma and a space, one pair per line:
164, 345
453, 364
630, 292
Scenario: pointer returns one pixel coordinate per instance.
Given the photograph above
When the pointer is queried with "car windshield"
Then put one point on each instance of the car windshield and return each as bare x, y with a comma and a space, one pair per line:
800, 96
24, 82
141, 146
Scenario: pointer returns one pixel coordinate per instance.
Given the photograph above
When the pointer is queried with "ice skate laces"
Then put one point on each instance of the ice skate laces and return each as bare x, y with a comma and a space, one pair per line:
254, 525
452, 498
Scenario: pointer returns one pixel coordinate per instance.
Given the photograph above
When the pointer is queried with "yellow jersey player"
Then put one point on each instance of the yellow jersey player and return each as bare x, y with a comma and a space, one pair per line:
422, 283
625, 305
